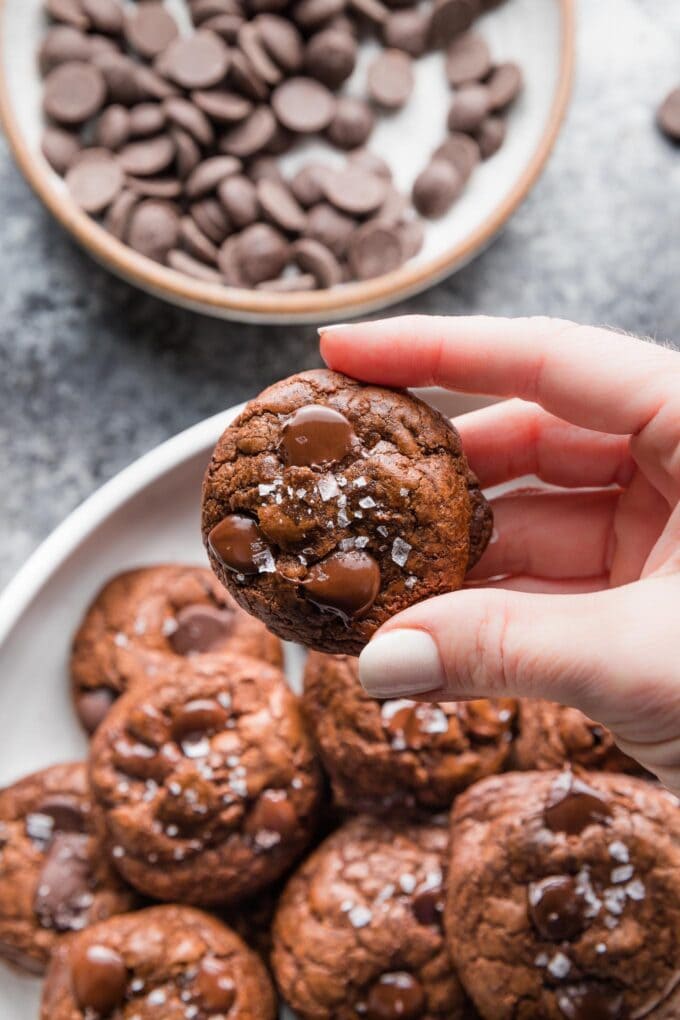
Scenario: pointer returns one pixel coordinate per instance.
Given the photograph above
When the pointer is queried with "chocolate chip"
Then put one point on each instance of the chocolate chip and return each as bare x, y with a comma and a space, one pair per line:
154, 229
98, 977
316, 435
331, 228
313, 257
467, 59
263, 252
436, 188
196, 242
211, 218
573, 805
215, 986
74, 92
395, 996
223, 106
372, 10
63, 898
345, 583
150, 28
280, 206
668, 115
66, 811
306, 184
390, 79
187, 152
371, 162
238, 196
229, 263
251, 135
254, 51
303, 105
408, 31
469, 108
461, 151
93, 705
557, 908
490, 136
146, 119
121, 78
352, 123
62, 44
70, 12
208, 175
237, 541
198, 61
311, 14
330, 56
104, 15
225, 25
186, 115
113, 127
184, 263
244, 77
288, 284
375, 248
449, 19
116, 222
412, 236
504, 84
354, 190
148, 157
60, 148
281, 40
198, 718
94, 179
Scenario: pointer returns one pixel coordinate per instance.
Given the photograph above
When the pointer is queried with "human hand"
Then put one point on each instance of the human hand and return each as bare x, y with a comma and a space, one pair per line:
578, 598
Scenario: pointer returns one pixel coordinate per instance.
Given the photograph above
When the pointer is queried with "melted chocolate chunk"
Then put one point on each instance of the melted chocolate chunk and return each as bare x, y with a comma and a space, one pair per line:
239, 544
63, 896
99, 978
557, 908
215, 987
93, 706
572, 808
592, 1002
137, 759
196, 719
428, 905
66, 812
345, 583
200, 629
316, 435
273, 812
396, 996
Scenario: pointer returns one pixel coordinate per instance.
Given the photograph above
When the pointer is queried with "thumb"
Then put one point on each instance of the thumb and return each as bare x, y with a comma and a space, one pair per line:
606, 653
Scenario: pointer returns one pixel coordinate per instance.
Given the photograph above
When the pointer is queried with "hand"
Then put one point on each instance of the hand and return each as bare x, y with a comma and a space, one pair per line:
578, 598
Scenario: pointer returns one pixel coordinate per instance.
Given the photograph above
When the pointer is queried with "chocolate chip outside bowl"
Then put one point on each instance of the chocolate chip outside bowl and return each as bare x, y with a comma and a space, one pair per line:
500, 187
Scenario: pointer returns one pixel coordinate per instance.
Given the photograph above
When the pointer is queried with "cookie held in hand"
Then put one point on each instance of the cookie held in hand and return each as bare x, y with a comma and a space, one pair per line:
329, 506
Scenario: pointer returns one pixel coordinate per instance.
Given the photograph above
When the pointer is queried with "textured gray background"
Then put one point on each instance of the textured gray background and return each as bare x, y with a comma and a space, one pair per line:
93, 373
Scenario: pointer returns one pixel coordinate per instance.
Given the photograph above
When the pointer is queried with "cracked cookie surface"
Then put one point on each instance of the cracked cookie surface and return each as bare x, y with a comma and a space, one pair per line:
169, 962
168, 609
552, 735
54, 878
400, 755
329, 506
563, 898
207, 781
358, 931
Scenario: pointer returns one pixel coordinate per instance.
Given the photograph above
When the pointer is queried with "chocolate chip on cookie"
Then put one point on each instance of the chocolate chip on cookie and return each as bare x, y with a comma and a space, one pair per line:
54, 876
174, 610
329, 506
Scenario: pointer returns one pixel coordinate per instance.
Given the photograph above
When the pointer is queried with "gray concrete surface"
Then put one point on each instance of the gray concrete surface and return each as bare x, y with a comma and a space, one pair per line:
93, 373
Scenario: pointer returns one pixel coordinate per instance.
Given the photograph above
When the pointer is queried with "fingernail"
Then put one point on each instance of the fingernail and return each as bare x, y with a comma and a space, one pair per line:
329, 329
400, 663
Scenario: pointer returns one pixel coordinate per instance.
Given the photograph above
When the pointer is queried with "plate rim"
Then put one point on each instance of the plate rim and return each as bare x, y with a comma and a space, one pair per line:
87, 516
261, 307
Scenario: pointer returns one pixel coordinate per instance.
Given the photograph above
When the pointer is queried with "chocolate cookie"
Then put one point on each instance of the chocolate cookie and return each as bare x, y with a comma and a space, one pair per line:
54, 877
564, 897
329, 506
551, 736
207, 781
358, 935
172, 962
172, 609
388, 755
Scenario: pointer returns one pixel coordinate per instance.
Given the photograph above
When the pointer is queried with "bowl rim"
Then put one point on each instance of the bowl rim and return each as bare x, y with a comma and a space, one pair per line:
258, 306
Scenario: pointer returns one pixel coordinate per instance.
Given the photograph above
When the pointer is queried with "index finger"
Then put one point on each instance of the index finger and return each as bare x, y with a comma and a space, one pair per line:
588, 376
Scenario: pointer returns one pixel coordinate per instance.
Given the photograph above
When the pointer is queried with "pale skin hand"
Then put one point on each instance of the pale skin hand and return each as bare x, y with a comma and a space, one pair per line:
588, 610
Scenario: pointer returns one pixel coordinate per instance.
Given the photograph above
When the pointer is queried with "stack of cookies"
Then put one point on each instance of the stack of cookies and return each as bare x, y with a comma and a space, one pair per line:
231, 844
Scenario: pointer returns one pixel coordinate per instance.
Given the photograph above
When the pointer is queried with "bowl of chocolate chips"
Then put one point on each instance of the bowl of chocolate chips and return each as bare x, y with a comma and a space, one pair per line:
283, 160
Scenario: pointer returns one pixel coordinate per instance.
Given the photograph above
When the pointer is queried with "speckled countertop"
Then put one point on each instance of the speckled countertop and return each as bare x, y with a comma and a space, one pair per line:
93, 373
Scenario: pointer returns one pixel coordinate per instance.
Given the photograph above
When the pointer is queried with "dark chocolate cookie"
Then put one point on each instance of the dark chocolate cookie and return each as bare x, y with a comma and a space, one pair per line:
206, 780
329, 506
171, 609
551, 736
564, 897
163, 963
389, 755
358, 932
54, 877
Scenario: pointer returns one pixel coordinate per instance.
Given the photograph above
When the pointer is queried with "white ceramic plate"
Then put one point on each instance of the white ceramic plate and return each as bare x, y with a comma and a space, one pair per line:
539, 34
149, 513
